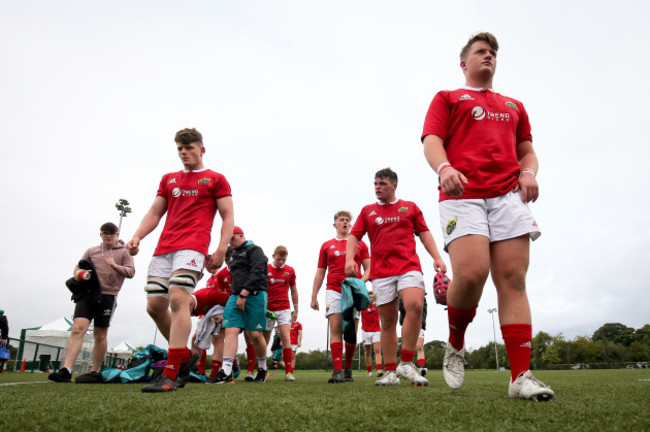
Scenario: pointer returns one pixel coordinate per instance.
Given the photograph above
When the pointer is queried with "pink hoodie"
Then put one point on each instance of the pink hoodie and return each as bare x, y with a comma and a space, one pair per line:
110, 279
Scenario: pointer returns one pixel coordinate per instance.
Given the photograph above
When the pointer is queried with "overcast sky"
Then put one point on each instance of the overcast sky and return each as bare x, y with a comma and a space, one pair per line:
300, 103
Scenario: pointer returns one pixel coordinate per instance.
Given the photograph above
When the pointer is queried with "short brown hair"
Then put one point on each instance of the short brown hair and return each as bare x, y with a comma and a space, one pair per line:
281, 251
109, 227
188, 136
340, 213
483, 36
229, 252
386, 173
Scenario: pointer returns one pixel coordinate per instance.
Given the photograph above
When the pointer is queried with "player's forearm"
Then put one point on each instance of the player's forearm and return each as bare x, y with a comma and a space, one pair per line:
294, 296
527, 157
149, 223
318, 282
227, 214
429, 244
351, 248
366, 269
434, 151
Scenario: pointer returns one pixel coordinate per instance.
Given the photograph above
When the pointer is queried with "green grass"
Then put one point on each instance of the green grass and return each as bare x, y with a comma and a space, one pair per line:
588, 400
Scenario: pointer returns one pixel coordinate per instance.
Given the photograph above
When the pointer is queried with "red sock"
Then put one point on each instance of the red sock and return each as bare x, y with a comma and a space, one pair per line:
286, 356
420, 362
390, 366
518, 339
337, 355
201, 365
250, 355
378, 366
349, 355
458, 322
369, 367
407, 356
175, 356
216, 365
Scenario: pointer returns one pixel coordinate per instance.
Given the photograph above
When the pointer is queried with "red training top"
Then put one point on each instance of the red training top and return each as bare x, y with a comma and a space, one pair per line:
370, 319
191, 207
332, 259
480, 131
391, 229
295, 327
280, 282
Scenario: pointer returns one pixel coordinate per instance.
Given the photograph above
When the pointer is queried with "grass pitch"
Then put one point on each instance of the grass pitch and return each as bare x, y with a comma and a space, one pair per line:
586, 400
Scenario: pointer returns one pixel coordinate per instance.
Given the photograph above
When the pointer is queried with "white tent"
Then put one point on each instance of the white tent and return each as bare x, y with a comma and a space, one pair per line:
124, 351
51, 339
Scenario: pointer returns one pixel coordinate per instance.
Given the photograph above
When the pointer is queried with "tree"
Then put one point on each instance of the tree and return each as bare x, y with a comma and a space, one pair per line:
615, 332
642, 335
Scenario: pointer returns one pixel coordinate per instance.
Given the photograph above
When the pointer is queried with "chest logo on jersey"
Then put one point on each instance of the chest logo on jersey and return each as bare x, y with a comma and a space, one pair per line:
380, 220
172, 181
372, 213
465, 97
451, 226
478, 113
402, 210
339, 253
274, 281
511, 105
204, 180
176, 192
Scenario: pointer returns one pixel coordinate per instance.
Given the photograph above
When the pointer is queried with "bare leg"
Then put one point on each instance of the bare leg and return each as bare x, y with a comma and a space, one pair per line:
100, 348
79, 329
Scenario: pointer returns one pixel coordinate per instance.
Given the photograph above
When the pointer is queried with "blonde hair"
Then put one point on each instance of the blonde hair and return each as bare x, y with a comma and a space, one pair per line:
483, 36
340, 213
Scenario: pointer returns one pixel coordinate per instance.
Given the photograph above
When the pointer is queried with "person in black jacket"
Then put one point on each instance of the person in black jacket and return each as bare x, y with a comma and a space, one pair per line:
4, 327
246, 308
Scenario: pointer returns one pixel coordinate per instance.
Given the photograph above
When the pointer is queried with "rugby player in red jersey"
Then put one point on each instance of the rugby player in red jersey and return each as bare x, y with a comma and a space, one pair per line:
331, 260
296, 338
479, 143
282, 281
371, 335
191, 199
391, 225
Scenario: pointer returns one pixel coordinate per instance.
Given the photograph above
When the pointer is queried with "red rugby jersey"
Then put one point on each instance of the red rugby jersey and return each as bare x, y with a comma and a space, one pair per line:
332, 258
280, 282
370, 319
191, 207
223, 280
480, 130
295, 328
391, 229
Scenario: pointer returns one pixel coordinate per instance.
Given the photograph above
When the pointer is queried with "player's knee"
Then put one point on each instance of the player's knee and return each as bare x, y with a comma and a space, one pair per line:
185, 281
469, 279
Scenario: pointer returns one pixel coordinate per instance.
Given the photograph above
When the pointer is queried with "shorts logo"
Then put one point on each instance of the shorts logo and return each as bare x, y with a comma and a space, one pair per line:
192, 263
171, 181
511, 105
379, 220
176, 192
259, 326
204, 180
535, 224
402, 210
478, 113
451, 226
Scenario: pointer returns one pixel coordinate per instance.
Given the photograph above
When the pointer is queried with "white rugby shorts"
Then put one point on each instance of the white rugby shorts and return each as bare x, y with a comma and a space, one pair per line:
500, 218
284, 318
162, 266
370, 337
386, 289
333, 304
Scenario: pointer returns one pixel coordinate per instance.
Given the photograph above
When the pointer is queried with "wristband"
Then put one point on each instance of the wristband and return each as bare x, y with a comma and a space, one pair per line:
444, 168
442, 165
527, 170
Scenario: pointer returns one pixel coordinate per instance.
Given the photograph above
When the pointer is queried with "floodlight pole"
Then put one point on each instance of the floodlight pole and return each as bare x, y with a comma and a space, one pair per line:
496, 353
123, 207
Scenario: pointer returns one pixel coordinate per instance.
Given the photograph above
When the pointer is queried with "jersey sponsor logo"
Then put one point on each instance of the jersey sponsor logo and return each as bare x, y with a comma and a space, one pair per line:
274, 280
512, 105
204, 180
176, 192
465, 97
172, 181
478, 113
451, 226
402, 210
339, 253
381, 220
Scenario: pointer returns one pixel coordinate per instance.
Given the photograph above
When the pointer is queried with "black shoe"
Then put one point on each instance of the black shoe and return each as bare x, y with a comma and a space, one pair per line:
337, 377
221, 378
236, 370
62, 375
184, 371
92, 377
162, 384
261, 375
347, 375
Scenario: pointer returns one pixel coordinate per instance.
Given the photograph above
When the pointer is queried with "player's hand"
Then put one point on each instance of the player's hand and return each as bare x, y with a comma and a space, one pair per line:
451, 182
314, 304
111, 262
133, 246
294, 316
440, 265
215, 261
241, 303
528, 187
351, 268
